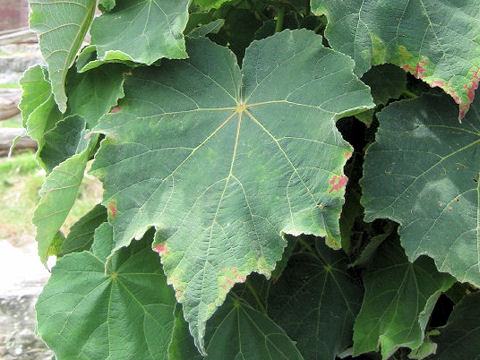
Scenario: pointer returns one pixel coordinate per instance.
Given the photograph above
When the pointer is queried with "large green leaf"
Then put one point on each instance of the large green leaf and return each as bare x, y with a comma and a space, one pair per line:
142, 31
222, 173
438, 41
316, 301
399, 298
423, 172
61, 27
118, 310
60, 189
236, 331
460, 338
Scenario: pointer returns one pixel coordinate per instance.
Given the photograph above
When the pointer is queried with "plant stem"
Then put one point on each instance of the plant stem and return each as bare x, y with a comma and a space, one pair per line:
409, 94
280, 15
307, 246
255, 295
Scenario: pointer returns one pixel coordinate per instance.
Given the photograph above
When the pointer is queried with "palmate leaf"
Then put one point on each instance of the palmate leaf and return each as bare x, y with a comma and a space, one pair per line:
316, 301
460, 338
61, 27
438, 41
423, 172
142, 31
118, 310
222, 173
399, 298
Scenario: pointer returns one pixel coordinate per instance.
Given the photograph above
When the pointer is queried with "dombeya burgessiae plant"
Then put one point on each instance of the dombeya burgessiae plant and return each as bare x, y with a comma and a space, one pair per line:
225, 134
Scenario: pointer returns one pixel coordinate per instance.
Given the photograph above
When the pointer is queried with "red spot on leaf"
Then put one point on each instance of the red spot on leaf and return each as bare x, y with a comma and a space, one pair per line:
437, 83
112, 207
338, 182
115, 109
178, 294
471, 88
420, 70
407, 68
347, 155
89, 135
161, 249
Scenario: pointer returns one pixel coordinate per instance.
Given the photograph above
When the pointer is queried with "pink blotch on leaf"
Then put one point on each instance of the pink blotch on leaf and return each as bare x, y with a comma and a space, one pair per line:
115, 109
113, 209
338, 182
347, 155
161, 249
470, 93
420, 70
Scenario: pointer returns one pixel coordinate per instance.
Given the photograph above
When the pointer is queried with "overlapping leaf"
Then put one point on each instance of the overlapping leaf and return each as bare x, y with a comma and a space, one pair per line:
61, 27
81, 234
316, 301
460, 338
423, 172
399, 298
96, 92
60, 188
220, 172
236, 331
437, 41
143, 31
121, 310
39, 110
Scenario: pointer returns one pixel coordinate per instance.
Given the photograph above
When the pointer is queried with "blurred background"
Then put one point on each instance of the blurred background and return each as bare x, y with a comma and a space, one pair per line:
22, 276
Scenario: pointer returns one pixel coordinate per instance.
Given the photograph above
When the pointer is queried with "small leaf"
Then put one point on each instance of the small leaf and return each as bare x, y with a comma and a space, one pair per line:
121, 310
210, 4
60, 189
142, 31
212, 27
316, 301
271, 160
423, 172
39, 110
416, 35
399, 298
61, 27
81, 234
66, 139
460, 338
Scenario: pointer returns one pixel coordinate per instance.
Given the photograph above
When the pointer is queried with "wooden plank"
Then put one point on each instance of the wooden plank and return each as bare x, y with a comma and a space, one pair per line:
8, 135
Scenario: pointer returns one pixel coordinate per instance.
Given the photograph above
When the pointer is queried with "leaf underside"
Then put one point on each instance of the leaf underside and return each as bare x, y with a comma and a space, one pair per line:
417, 35
270, 154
